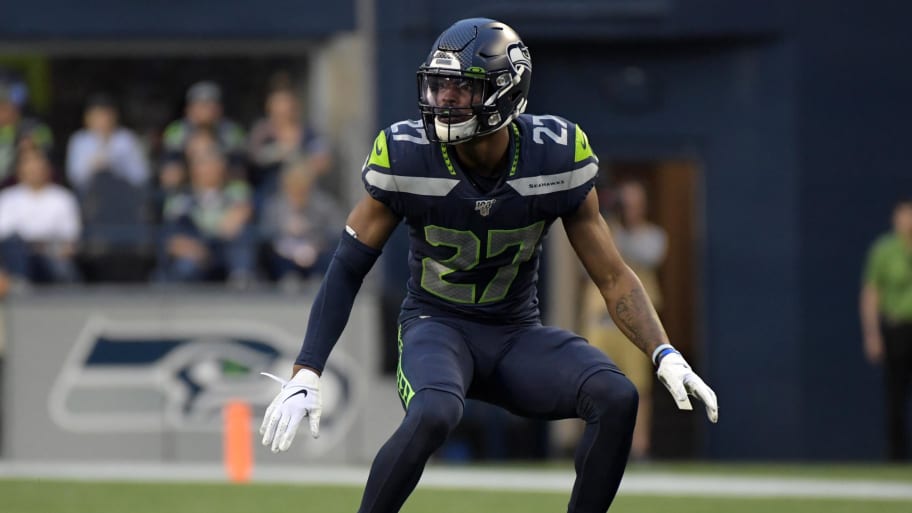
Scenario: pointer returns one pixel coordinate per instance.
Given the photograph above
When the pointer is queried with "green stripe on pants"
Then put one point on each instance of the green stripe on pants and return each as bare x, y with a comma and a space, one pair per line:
405, 388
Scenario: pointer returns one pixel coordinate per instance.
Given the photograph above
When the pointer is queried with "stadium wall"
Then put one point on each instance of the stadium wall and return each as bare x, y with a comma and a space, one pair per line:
225, 19
855, 163
140, 375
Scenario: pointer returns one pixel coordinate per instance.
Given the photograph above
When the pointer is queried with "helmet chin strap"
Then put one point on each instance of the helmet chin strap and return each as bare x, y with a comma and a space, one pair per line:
457, 132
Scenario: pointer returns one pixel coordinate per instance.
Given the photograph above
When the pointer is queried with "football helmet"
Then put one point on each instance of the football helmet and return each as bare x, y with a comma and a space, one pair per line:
475, 81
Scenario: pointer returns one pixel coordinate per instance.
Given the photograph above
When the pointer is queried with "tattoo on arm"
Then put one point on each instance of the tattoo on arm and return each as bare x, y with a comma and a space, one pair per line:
636, 317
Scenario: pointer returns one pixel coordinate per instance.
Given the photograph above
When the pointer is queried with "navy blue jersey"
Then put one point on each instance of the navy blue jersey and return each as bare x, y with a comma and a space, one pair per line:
476, 253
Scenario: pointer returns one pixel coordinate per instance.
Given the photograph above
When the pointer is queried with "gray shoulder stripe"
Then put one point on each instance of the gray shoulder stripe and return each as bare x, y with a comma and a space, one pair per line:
410, 184
546, 184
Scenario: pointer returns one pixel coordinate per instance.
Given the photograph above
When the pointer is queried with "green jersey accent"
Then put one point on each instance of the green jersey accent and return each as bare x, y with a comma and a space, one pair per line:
406, 392
583, 149
515, 165
379, 155
446, 159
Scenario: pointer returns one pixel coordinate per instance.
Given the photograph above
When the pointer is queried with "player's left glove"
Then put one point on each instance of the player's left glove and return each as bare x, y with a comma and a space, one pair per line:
681, 380
299, 398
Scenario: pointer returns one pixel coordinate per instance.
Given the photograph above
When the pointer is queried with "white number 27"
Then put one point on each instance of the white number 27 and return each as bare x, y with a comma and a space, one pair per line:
542, 130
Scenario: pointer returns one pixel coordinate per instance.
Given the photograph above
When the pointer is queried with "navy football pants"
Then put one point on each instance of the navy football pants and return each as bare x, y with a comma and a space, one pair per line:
532, 370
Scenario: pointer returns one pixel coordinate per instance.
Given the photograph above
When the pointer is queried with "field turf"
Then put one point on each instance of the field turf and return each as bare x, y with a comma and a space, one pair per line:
47, 496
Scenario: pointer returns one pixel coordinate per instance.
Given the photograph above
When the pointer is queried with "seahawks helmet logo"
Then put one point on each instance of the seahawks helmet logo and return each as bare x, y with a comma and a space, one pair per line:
519, 56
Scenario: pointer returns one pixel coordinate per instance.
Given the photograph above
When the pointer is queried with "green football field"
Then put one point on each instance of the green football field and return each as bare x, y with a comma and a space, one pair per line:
47, 496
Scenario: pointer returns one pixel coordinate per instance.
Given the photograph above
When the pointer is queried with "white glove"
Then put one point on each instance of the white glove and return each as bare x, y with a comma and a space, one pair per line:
680, 380
299, 398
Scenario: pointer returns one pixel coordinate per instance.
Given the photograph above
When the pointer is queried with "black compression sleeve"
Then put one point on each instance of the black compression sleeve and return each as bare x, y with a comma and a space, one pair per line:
332, 306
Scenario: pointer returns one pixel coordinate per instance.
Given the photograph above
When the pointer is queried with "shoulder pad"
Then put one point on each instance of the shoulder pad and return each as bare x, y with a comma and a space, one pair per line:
582, 150
409, 131
569, 167
402, 160
379, 155
403, 149
398, 146
558, 143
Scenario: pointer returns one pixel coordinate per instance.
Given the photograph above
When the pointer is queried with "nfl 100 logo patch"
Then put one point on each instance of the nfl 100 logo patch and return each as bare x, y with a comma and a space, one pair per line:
483, 207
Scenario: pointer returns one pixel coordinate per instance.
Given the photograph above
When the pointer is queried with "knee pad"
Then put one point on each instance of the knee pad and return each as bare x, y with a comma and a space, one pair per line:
607, 393
435, 413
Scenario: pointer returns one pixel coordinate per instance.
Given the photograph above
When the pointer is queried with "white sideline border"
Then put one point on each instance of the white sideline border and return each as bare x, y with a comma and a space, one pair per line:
475, 478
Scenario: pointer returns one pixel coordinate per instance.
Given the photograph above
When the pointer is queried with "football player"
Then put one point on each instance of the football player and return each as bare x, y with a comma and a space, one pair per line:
479, 183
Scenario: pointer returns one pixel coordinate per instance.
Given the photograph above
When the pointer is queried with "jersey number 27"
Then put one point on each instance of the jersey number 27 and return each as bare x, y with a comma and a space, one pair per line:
468, 255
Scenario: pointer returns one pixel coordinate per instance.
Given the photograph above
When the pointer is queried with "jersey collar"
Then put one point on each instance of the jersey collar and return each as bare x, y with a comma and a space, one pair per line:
514, 161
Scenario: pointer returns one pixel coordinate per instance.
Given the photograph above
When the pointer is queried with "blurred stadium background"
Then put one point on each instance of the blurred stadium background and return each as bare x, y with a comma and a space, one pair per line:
771, 138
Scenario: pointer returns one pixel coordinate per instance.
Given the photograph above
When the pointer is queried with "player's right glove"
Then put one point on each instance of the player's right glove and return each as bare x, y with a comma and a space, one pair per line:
299, 398
680, 380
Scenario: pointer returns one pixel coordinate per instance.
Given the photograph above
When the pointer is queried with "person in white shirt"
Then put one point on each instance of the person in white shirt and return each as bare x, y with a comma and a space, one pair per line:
103, 146
39, 224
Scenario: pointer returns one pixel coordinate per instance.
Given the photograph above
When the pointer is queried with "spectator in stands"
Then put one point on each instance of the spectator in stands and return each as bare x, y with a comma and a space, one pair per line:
39, 224
204, 112
104, 147
173, 176
282, 137
201, 143
300, 223
643, 246
886, 319
18, 132
207, 231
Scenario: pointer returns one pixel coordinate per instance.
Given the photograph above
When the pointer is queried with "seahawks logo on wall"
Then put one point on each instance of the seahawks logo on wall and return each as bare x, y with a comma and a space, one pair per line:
141, 377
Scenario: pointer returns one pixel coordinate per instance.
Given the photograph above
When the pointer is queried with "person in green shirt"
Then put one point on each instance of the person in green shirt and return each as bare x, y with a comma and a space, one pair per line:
18, 133
886, 318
